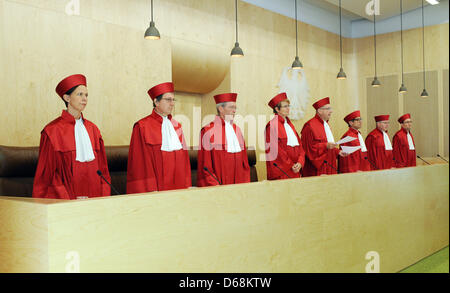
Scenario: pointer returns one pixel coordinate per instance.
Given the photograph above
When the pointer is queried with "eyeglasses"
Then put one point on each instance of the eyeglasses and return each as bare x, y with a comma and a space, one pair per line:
357, 119
169, 100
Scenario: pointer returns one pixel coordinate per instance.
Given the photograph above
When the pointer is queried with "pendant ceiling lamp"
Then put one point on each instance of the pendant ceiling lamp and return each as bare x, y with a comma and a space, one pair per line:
341, 74
296, 64
403, 88
152, 32
237, 51
424, 93
375, 82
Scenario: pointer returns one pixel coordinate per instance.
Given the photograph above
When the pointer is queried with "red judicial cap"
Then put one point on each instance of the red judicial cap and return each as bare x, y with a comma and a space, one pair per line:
69, 82
277, 99
222, 98
160, 89
321, 103
404, 117
352, 116
381, 118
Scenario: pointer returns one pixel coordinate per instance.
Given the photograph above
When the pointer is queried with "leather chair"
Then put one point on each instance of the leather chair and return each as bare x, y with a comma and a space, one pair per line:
18, 166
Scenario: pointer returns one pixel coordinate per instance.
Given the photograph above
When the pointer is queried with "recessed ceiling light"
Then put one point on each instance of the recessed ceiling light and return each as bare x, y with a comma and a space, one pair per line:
433, 2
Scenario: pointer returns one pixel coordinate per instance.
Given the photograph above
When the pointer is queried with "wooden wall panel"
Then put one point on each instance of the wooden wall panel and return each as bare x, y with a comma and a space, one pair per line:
446, 109
382, 100
424, 112
23, 236
188, 111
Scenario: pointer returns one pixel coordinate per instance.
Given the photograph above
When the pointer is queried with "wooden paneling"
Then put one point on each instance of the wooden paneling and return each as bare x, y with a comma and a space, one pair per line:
23, 236
188, 111
424, 112
120, 67
382, 100
318, 224
446, 116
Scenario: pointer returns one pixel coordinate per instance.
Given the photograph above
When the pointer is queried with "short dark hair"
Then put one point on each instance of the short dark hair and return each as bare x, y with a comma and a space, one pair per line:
279, 106
157, 99
69, 92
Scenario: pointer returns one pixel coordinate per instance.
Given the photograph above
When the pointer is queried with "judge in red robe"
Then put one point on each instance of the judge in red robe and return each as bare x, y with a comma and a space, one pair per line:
158, 158
222, 155
379, 147
404, 149
71, 150
358, 160
284, 152
318, 142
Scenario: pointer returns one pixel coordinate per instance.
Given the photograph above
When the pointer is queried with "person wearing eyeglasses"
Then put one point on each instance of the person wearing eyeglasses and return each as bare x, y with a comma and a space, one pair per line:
379, 147
71, 150
222, 155
404, 149
318, 142
158, 158
356, 161
284, 152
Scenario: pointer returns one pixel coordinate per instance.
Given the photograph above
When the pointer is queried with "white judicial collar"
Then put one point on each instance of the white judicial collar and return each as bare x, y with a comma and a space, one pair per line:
83, 146
232, 140
328, 132
410, 142
170, 140
291, 137
387, 142
361, 143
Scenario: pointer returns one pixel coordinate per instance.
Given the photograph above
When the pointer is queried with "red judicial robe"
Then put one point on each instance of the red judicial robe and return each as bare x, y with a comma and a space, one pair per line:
58, 174
277, 150
355, 161
150, 168
314, 142
228, 168
377, 154
403, 156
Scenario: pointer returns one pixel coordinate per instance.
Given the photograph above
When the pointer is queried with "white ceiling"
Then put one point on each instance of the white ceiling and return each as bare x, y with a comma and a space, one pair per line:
355, 22
356, 9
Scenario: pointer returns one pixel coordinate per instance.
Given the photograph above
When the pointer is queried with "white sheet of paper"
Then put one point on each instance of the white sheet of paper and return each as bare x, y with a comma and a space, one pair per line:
346, 139
350, 149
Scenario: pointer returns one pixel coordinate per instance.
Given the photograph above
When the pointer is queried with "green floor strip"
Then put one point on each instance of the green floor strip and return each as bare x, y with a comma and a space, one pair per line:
435, 263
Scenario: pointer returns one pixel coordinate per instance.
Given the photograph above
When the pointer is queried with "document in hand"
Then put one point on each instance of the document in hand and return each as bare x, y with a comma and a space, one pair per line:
346, 139
350, 149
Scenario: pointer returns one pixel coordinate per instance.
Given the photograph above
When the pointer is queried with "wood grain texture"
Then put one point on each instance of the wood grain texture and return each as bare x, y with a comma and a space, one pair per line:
424, 112
23, 236
446, 118
317, 224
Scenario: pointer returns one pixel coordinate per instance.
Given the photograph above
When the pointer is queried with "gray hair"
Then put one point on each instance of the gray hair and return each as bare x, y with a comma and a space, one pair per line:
220, 105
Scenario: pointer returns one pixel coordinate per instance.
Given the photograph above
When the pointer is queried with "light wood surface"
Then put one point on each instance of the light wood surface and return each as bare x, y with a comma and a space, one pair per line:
423, 112
23, 236
445, 118
319, 224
